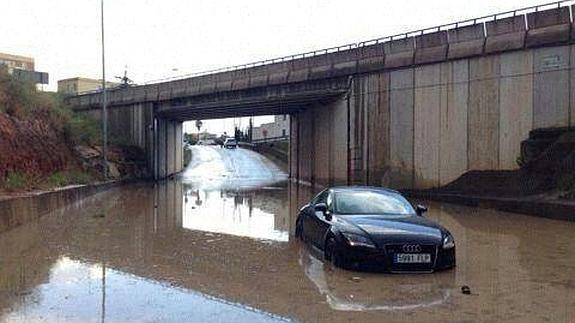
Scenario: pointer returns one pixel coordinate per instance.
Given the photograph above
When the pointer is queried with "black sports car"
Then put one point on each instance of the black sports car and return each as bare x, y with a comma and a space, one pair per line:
375, 229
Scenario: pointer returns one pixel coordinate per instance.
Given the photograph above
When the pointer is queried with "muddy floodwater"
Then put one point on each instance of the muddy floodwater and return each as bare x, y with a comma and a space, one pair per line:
216, 245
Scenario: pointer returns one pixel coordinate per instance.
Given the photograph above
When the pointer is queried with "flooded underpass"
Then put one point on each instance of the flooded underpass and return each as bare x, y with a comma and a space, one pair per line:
217, 245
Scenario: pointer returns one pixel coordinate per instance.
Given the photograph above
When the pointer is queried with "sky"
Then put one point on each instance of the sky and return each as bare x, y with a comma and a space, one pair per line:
156, 39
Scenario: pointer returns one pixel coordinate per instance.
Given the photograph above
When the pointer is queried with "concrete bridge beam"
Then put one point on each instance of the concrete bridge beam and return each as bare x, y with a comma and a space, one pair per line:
299, 70
258, 76
371, 58
431, 47
505, 34
344, 62
466, 41
224, 82
547, 27
399, 52
241, 80
278, 73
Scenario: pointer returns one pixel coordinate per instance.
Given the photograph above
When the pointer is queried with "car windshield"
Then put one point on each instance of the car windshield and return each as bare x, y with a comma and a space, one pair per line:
370, 202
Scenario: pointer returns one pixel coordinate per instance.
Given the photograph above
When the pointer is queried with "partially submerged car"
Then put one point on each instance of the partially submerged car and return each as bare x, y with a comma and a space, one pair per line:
376, 229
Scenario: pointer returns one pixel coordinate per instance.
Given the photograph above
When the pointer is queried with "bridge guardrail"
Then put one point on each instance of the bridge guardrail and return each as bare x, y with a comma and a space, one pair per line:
524, 19
270, 139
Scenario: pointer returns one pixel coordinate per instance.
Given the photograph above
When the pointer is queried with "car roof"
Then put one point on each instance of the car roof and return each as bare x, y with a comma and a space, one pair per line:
357, 188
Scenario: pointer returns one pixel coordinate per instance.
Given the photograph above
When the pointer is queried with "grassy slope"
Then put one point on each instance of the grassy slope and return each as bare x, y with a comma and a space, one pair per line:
37, 133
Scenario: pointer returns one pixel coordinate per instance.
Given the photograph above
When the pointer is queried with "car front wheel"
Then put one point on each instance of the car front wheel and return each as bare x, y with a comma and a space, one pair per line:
299, 229
332, 254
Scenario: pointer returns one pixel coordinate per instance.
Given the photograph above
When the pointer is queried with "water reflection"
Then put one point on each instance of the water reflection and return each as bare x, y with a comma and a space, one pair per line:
81, 292
373, 292
261, 214
519, 268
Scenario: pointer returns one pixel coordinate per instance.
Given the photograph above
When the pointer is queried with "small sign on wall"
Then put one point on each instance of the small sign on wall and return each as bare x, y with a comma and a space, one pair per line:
551, 62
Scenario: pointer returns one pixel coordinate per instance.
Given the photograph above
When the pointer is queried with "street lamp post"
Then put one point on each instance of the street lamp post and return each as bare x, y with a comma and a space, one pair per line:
104, 103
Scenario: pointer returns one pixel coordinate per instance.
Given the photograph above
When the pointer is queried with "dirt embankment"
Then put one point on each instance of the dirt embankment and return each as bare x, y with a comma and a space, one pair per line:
44, 144
547, 167
32, 147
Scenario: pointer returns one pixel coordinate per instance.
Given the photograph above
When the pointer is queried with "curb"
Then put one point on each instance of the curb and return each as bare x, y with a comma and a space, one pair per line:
545, 209
18, 210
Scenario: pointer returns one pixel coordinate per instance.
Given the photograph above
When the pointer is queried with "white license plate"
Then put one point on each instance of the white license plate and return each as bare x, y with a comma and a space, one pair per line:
412, 258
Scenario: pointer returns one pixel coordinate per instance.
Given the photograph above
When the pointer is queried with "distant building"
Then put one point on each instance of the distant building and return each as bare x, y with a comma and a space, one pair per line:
77, 85
22, 68
17, 62
277, 130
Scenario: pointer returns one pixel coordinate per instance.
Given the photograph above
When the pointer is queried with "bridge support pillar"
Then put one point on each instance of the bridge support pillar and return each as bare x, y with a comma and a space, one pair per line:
168, 148
319, 144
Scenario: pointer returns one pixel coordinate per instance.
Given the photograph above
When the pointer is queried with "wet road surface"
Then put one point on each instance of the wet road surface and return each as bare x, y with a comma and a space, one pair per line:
215, 245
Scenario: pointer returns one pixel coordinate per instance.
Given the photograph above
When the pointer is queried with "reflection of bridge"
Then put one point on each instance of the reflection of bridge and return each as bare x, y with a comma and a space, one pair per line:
414, 110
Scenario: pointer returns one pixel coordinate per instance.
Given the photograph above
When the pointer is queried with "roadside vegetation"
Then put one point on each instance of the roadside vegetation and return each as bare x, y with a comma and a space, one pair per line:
37, 135
21, 100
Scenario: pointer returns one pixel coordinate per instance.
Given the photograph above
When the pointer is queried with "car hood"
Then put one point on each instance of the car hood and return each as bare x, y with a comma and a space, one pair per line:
397, 229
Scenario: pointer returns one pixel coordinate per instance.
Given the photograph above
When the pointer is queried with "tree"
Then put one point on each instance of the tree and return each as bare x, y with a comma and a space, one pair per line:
191, 138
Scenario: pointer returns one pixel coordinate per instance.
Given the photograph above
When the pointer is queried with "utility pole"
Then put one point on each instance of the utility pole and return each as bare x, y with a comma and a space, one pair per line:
199, 124
104, 103
251, 130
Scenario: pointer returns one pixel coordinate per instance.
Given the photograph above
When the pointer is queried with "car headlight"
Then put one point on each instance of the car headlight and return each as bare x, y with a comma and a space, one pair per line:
357, 240
448, 242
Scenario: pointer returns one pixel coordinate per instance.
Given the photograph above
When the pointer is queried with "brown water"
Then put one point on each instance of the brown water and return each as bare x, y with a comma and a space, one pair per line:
179, 251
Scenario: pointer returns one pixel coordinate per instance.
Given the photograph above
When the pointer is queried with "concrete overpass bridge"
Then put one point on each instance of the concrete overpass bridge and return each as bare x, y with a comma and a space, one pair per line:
411, 110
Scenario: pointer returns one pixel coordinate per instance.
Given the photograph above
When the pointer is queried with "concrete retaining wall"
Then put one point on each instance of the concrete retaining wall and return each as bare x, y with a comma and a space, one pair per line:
377, 130
136, 125
401, 98
515, 105
551, 86
424, 126
453, 122
483, 113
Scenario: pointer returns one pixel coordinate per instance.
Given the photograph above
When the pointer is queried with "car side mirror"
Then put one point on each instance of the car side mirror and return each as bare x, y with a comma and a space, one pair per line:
322, 207
420, 209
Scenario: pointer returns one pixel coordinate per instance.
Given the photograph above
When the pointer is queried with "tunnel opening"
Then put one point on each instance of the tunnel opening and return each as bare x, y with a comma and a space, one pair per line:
237, 168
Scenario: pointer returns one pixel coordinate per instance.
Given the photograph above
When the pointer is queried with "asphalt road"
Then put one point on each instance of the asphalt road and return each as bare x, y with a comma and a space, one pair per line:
213, 167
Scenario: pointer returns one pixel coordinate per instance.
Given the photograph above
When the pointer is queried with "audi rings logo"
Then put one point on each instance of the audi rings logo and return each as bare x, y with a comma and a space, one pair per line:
411, 248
